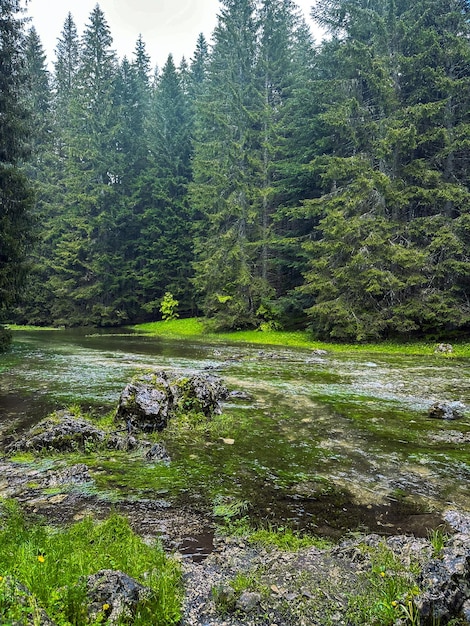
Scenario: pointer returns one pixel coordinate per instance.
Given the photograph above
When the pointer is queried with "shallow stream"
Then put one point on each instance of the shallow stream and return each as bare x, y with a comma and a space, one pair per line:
327, 442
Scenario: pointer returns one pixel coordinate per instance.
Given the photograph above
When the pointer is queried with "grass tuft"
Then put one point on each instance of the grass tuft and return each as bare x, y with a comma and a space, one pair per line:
387, 592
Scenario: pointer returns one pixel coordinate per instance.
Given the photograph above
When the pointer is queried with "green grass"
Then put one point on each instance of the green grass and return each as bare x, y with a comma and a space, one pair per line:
194, 328
387, 591
233, 522
14, 327
190, 327
50, 564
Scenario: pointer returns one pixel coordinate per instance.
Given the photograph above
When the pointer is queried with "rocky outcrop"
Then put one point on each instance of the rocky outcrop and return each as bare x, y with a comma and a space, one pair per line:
114, 596
62, 432
447, 410
148, 403
201, 393
445, 584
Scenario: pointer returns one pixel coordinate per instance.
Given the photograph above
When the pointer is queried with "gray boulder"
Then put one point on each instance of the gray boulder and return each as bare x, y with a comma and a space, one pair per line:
445, 584
62, 432
115, 596
248, 601
447, 410
200, 393
148, 403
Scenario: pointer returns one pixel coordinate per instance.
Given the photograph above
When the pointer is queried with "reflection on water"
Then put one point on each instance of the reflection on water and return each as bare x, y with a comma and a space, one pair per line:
328, 442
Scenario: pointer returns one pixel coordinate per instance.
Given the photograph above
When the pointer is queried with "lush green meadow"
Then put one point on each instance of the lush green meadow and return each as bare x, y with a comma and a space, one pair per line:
195, 328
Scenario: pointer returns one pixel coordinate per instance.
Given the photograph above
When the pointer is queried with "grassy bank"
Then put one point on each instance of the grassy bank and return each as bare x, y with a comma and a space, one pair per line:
194, 328
43, 569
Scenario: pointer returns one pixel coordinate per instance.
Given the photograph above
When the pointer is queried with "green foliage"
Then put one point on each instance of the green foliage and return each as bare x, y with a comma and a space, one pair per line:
286, 539
387, 592
438, 541
50, 563
228, 508
16, 197
386, 257
267, 184
168, 307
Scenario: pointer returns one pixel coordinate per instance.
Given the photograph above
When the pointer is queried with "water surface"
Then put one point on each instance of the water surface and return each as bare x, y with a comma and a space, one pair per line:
326, 442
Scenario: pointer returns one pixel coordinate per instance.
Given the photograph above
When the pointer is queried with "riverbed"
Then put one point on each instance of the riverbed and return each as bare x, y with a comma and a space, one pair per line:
326, 442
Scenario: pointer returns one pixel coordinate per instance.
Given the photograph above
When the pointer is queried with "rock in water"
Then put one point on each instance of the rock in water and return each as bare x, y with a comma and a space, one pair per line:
62, 432
157, 452
146, 404
200, 393
447, 410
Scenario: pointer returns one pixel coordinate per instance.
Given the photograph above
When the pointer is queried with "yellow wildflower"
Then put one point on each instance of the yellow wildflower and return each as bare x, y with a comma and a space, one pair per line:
41, 558
394, 603
382, 574
1, 578
106, 606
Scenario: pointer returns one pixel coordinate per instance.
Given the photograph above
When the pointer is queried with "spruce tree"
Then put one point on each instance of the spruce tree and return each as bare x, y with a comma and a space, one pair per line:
15, 191
86, 279
66, 66
227, 173
284, 67
163, 252
387, 195
41, 169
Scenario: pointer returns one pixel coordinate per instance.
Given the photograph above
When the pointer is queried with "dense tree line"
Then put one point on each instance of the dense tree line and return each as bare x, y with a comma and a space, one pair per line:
266, 182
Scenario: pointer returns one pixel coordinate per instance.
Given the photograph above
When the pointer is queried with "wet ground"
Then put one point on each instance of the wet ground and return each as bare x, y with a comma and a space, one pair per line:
325, 442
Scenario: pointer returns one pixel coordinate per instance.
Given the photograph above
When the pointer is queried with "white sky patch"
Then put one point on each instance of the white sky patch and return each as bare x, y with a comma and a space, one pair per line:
167, 26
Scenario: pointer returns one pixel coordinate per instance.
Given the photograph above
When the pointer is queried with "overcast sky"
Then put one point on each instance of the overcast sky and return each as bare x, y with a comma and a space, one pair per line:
166, 26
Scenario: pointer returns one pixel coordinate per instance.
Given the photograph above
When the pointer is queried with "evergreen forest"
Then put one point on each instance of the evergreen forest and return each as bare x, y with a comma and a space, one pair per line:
269, 181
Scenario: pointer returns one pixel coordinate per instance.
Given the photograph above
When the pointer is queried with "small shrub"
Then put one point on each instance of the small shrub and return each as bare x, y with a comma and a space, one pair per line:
168, 307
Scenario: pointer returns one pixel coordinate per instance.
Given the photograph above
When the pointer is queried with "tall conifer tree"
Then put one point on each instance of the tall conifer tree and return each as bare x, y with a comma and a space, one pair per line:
163, 253
227, 172
387, 189
15, 192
